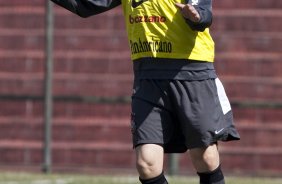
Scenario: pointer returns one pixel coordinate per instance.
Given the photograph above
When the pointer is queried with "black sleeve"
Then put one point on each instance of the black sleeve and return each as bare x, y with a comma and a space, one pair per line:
86, 8
204, 7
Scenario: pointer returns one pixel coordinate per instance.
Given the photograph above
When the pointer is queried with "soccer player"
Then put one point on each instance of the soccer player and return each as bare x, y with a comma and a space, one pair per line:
178, 102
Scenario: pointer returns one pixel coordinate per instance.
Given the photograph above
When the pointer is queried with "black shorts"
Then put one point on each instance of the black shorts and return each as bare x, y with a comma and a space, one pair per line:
181, 114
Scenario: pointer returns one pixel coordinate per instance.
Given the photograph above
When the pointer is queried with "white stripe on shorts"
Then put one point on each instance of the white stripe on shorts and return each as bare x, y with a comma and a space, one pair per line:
224, 102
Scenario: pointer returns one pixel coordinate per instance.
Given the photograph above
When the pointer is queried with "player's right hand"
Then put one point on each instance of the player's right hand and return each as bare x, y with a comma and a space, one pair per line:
189, 12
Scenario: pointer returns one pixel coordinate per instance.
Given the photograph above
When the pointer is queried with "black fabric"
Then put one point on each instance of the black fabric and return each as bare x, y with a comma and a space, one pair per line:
86, 8
177, 69
157, 180
213, 177
179, 115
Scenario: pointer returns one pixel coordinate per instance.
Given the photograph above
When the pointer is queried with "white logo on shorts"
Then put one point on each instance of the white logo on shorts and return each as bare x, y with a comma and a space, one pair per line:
195, 2
218, 131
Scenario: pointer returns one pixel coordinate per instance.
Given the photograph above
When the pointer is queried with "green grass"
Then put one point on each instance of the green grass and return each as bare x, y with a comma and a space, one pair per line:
28, 178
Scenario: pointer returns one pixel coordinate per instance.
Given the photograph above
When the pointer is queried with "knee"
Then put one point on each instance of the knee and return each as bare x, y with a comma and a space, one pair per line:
210, 157
149, 162
148, 168
205, 159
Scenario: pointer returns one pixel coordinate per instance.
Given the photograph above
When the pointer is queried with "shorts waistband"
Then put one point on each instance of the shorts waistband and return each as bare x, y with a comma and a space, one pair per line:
171, 64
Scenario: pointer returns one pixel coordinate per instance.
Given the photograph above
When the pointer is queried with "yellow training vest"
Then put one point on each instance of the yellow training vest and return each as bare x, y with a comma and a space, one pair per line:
156, 28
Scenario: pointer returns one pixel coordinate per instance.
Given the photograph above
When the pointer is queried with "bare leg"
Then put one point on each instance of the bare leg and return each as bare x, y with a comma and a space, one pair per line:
149, 160
206, 162
205, 159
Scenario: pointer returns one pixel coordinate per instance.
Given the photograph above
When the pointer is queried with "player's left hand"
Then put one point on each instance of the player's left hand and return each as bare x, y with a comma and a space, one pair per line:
189, 12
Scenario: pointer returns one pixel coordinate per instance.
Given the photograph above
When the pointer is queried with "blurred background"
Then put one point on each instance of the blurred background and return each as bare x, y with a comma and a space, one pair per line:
85, 126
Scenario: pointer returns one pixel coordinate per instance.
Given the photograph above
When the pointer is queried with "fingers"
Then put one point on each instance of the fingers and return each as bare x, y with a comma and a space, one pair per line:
180, 5
188, 11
